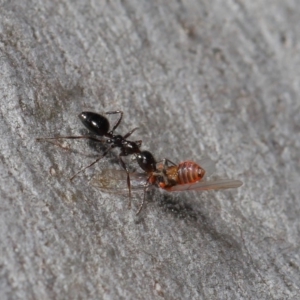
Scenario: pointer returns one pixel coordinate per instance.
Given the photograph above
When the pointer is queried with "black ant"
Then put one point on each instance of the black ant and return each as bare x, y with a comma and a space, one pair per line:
99, 125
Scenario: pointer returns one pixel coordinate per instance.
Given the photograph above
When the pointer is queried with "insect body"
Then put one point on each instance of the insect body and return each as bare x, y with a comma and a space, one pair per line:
186, 176
190, 176
186, 172
99, 126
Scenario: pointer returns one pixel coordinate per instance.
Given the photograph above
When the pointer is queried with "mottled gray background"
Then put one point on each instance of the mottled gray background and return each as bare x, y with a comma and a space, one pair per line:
200, 78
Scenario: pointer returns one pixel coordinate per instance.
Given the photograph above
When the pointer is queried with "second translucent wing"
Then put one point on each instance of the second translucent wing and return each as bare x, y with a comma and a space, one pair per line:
207, 185
115, 180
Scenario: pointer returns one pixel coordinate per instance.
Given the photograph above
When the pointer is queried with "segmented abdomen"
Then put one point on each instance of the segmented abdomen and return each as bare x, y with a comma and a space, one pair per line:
189, 172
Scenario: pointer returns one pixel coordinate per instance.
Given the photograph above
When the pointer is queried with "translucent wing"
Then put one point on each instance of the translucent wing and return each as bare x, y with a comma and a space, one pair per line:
110, 180
115, 180
207, 185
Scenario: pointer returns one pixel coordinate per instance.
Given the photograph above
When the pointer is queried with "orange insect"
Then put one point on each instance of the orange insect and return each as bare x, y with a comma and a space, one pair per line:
166, 177
186, 176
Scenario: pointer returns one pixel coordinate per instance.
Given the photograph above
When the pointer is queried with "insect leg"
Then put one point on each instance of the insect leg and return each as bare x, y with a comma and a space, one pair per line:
130, 133
94, 162
123, 165
118, 122
71, 138
139, 143
146, 187
165, 162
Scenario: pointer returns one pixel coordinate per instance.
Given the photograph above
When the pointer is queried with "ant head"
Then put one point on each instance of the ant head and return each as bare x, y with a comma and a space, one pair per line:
146, 161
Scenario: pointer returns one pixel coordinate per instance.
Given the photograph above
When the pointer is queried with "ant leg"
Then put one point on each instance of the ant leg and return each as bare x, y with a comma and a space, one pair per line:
94, 162
139, 143
165, 162
118, 122
130, 133
146, 187
128, 178
71, 137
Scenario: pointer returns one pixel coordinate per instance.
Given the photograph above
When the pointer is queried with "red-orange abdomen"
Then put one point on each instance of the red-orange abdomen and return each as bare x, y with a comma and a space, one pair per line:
189, 172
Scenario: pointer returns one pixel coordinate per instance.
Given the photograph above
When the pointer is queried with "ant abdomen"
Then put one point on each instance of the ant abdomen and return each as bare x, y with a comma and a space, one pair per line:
95, 123
189, 172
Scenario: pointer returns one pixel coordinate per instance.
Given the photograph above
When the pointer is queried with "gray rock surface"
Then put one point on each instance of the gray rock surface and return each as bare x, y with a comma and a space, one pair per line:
199, 78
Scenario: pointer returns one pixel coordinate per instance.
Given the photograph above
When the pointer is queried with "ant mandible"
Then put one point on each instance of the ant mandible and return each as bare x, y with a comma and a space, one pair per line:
99, 125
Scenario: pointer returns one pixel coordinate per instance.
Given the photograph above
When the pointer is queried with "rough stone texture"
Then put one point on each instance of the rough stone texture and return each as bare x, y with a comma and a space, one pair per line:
214, 78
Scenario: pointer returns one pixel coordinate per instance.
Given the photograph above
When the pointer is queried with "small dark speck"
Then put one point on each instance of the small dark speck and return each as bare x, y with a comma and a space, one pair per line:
292, 265
283, 38
219, 55
190, 30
